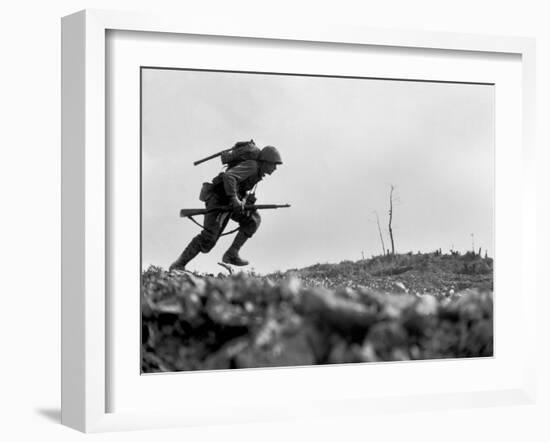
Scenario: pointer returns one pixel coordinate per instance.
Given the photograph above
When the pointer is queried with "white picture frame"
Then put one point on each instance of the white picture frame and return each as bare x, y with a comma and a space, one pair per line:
86, 214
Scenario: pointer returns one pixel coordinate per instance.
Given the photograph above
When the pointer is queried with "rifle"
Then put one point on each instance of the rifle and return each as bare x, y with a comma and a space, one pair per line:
242, 150
187, 213
196, 163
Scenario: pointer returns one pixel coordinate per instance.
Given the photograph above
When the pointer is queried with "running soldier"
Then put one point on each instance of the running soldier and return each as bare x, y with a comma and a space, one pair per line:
232, 187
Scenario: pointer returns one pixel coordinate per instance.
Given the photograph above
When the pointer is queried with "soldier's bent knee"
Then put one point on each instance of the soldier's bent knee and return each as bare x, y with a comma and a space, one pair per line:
257, 219
250, 226
206, 241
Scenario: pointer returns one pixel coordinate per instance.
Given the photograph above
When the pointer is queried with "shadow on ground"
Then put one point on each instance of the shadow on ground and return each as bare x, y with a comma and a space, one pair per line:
51, 414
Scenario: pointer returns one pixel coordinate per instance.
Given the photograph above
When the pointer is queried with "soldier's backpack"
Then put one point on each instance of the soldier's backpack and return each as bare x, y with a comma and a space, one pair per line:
241, 151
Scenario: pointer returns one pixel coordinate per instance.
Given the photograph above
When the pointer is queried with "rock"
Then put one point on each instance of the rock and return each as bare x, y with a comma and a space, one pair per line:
478, 341
268, 333
198, 282
292, 287
416, 324
151, 363
385, 337
427, 305
330, 309
166, 307
400, 354
399, 287
222, 312
343, 352
368, 354
394, 305
293, 350
223, 358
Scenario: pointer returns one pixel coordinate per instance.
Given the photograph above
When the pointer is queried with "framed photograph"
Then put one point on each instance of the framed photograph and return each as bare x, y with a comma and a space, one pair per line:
276, 223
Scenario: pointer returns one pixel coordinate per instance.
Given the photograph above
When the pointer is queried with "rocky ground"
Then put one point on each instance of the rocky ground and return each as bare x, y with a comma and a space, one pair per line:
403, 307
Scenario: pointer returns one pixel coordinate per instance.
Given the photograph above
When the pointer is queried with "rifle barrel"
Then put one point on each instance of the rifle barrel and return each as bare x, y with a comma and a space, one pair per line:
196, 163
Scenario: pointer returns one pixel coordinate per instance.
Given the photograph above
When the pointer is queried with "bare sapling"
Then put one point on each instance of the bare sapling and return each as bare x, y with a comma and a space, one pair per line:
380, 233
389, 223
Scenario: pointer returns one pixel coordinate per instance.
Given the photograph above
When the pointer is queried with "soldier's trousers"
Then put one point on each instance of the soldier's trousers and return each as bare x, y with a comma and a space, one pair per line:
215, 223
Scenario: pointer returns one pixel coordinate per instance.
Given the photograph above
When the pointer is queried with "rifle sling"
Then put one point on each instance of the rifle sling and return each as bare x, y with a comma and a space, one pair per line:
202, 227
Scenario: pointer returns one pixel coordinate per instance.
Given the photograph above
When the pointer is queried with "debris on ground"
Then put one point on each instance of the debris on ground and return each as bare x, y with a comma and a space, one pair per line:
402, 307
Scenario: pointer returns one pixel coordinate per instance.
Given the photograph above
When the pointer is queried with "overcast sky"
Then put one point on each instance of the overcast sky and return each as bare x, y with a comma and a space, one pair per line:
343, 143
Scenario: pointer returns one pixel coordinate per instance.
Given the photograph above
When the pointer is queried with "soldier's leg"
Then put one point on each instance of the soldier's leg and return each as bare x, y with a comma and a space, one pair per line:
187, 255
214, 223
248, 225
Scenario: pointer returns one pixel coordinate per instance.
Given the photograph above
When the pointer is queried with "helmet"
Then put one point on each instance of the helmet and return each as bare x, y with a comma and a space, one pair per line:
271, 155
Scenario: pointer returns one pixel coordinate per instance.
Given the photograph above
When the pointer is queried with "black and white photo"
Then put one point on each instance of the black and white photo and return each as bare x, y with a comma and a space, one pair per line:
340, 219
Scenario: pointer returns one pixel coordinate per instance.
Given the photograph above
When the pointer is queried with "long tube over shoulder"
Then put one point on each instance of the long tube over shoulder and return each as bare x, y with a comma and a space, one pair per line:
196, 163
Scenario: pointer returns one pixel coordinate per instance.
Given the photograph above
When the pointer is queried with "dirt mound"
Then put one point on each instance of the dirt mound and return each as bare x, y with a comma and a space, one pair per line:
428, 273
320, 315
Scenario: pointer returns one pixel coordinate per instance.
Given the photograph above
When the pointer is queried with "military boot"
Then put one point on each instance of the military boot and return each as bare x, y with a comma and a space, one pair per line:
187, 255
232, 254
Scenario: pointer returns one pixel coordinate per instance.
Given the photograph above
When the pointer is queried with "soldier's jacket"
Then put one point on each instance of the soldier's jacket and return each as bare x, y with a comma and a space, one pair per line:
237, 181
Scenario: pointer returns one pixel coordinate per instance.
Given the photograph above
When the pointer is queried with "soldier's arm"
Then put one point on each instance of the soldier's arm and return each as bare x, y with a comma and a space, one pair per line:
237, 174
